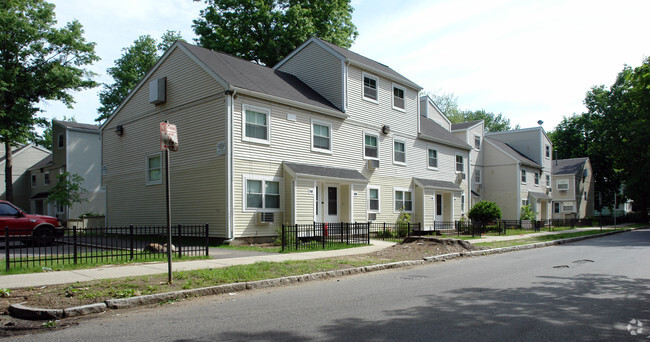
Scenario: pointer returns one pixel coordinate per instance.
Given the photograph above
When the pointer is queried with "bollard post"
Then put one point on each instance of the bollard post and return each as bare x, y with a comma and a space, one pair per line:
7, 246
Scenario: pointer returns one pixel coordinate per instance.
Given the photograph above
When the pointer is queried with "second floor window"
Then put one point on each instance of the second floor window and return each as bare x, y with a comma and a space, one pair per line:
370, 87
460, 167
46, 178
399, 152
370, 146
536, 178
321, 137
60, 140
398, 98
33, 180
256, 125
548, 151
548, 180
433, 158
523, 176
477, 142
477, 176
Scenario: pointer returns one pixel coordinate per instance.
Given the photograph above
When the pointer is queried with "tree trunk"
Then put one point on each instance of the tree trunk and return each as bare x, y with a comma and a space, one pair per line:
9, 184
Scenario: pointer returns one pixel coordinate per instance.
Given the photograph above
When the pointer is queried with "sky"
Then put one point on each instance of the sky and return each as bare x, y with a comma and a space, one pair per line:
528, 60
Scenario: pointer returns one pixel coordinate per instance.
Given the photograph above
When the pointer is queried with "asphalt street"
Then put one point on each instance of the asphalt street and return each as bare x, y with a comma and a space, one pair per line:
586, 291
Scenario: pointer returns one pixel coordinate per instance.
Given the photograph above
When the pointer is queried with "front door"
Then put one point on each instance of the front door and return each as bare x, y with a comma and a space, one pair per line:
331, 203
438, 217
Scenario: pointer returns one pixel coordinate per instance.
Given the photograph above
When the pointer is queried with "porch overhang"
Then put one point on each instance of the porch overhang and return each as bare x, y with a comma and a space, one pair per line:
540, 196
40, 195
324, 172
437, 184
475, 194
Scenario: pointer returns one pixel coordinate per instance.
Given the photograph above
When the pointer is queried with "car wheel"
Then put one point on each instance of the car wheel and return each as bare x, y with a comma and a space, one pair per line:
43, 236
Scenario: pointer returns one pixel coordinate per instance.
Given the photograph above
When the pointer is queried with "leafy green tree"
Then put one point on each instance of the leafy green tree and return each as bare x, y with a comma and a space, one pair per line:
129, 69
446, 102
68, 190
484, 211
527, 213
38, 61
265, 31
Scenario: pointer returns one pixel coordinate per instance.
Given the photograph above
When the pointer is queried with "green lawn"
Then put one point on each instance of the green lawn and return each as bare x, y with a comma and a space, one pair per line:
543, 238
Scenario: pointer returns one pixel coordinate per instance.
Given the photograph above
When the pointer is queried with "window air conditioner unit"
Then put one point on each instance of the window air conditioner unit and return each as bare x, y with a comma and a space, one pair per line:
265, 217
373, 164
372, 216
460, 175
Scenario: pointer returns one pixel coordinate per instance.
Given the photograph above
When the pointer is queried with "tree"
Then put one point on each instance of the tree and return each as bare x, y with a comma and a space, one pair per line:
484, 211
266, 31
38, 62
129, 69
446, 102
68, 190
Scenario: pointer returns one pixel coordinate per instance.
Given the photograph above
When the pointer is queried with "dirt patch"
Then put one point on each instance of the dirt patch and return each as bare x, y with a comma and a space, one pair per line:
69, 295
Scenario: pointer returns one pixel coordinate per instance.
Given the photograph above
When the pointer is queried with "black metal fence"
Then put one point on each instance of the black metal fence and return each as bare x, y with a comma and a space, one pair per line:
101, 245
323, 235
392, 231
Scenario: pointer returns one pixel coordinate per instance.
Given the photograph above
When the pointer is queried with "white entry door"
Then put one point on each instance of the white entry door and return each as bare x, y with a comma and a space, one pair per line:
331, 203
438, 208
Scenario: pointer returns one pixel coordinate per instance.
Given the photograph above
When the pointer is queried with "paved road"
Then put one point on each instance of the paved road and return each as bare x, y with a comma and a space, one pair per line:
585, 291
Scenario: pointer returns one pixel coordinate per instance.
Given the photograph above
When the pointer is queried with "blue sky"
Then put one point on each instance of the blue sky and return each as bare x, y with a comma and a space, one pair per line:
530, 60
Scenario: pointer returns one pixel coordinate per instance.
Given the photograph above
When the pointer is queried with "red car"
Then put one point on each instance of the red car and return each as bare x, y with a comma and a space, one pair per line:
41, 227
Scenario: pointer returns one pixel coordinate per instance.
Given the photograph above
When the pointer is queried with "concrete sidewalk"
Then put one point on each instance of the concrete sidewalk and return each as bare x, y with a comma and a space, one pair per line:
493, 238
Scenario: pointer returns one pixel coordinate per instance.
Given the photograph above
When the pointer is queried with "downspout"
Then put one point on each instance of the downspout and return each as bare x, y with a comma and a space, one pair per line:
230, 103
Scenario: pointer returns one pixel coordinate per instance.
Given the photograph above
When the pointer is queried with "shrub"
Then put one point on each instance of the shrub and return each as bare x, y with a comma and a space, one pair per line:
484, 211
402, 223
527, 213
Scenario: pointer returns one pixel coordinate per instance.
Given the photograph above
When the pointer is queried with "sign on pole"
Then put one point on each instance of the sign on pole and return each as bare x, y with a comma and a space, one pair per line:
168, 142
168, 137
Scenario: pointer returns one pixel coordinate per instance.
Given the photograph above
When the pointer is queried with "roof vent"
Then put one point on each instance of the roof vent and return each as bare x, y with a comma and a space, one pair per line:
157, 91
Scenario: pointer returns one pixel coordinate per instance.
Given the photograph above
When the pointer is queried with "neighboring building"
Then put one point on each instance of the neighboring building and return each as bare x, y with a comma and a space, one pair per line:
472, 133
326, 135
517, 171
77, 150
573, 189
23, 158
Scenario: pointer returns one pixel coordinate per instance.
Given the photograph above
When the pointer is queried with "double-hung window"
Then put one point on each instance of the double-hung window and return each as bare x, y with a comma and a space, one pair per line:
262, 194
321, 136
403, 200
536, 178
256, 124
548, 151
399, 152
398, 98
460, 165
46, 178
433, 158
369, 87
154, 169
373, 199
60, 141
556, 207
548, 180
33, 180
370, 146
477, 142
523, 176
477, 176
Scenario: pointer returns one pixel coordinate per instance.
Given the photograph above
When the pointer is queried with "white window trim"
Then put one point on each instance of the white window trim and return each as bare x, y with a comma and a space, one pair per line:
322, 123
437, 159
525, 176
479, 143
412, 199
559, 207
536, 179
243, 124
59, 137
462, 203
363, 152
46, 178
549, 152
392, 97
405, 152
573, 207
561, 181
378, 199
264, 179
456, 164
480, 176
363, 93
146, 169
548, 180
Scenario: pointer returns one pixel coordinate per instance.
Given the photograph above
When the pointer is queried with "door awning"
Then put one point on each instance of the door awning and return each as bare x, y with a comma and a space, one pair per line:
40, 195
324, 172
540, 196
436, 184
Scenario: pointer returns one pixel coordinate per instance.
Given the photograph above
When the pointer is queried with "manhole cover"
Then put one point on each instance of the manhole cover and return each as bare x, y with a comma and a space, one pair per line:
583, 261
561, 266
413, 277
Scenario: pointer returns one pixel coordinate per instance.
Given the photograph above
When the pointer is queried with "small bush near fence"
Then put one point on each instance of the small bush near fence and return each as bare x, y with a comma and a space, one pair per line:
102, 245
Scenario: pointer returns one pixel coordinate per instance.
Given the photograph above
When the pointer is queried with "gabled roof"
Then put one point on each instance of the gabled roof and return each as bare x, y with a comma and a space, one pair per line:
43, 163
432, 131
465, 125
324, 172
568, 166
19, 149
436, 184
354, 58
78, 126
512, 152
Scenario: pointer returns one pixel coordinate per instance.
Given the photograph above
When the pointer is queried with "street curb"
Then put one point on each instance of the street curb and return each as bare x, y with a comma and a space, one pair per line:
25, 312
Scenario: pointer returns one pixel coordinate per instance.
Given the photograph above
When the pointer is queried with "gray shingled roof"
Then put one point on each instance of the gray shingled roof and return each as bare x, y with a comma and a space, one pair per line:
431, 130
432, 183
43, 163
568, 166
247, 75
353, 56
464, 125
77, 125
540, 195
522, 158
325, 171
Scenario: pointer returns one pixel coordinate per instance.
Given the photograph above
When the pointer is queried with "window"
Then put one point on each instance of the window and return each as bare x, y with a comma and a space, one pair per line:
370, 146
262, 194
321, 136
548, 151
46, 178
460, 167
154, 169
536, 179
548, 180
524, 202
477, 176
398, 98
523, 176
399, 152
477, 142
567, 206
60, 140
373, 199
462, 203
556, 208
585, 195
369, 88
33, 180
403, 200
256, 124
562, 184
433, 158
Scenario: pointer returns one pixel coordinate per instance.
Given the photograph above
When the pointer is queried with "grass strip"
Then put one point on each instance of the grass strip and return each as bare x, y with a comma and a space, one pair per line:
543, 238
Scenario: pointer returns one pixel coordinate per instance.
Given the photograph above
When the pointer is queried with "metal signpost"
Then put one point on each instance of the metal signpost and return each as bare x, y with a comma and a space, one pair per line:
168, 142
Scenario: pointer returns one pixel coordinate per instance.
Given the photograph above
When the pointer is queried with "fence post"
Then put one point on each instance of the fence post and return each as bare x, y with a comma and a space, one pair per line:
408, 229
131, 238
383, 235
282, 237
7, 246
295, 231
180, 237
74, 244
368, 232
207, 239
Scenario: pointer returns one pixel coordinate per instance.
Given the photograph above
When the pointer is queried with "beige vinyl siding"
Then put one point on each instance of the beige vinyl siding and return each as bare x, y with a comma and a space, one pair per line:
84, 159
526, 141
429, 209
320, 70
361, 203
436, 116
418, 205
570, 193
305, 201
58, 154
500, 181
22, 161
196, 105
